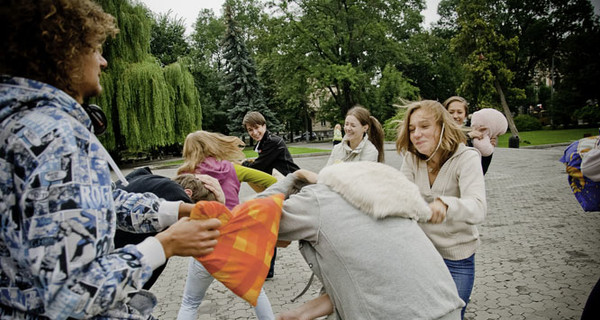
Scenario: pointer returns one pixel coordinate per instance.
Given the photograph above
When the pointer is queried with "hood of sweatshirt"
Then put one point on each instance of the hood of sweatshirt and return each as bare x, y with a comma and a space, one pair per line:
223, 171
21, 94
376, 189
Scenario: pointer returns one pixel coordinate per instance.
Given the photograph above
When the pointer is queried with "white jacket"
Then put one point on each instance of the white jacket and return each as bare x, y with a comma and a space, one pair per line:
365, 151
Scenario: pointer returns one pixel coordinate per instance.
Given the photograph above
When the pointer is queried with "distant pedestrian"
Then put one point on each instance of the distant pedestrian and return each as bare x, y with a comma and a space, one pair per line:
337, 134
363, 140
272, 154
450, 179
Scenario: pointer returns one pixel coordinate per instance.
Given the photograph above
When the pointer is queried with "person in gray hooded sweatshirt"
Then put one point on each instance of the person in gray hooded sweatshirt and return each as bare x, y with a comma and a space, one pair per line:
363, 242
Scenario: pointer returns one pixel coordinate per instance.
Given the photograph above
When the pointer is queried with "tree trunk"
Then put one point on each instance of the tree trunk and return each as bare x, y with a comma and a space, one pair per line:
509, 118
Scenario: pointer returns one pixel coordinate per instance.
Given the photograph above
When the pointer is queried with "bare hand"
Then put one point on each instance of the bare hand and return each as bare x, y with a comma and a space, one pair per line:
438, 210
494, 141
213, 186
312, 309
189, 237
306, 175
290, 315
477, 133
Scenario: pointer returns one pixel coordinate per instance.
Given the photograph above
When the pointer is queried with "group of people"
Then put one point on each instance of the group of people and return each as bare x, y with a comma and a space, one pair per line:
397, 243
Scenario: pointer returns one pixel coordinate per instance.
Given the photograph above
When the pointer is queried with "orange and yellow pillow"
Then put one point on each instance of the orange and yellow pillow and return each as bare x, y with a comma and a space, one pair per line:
248, 234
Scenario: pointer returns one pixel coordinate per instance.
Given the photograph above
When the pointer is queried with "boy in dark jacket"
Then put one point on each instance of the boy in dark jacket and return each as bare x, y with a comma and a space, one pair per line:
272, 154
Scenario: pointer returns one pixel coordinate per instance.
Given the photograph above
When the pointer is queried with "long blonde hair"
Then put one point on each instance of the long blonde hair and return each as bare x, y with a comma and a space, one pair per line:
451, 136
202, 144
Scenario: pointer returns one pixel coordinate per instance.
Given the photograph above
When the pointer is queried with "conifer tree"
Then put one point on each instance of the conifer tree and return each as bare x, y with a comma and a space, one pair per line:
243, 92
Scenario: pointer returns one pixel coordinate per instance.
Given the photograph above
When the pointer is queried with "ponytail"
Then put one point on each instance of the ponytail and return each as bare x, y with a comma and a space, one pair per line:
376, 136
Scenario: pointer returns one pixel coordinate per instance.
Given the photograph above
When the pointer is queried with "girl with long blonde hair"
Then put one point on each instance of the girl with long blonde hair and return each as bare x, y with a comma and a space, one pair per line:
449, 177
218, 156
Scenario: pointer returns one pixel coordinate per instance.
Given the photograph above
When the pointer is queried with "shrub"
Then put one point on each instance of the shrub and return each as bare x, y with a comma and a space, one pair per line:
525, 122
589, 114
390, 126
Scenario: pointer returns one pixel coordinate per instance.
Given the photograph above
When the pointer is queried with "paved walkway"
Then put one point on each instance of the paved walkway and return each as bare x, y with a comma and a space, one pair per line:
539, 259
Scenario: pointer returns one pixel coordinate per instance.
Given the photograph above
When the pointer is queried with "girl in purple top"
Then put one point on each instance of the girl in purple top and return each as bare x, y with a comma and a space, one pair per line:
218, 156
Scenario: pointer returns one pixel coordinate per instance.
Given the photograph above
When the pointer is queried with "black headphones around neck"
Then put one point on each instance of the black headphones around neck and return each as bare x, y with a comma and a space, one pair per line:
98, 117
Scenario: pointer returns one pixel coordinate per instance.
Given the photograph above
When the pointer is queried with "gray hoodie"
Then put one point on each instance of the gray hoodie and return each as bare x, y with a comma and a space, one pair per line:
374, 262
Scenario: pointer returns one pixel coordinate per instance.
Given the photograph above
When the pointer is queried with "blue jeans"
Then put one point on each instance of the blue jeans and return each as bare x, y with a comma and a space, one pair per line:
463, 274
197, 282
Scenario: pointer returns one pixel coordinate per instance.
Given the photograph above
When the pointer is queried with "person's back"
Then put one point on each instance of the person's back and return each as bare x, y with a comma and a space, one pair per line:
142, 180
371, 268
412, 280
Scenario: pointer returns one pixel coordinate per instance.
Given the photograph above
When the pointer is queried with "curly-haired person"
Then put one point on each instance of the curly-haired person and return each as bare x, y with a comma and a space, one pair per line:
58, 210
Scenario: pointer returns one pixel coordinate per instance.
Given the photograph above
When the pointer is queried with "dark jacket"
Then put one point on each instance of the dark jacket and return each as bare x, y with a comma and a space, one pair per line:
273, 154
142, 180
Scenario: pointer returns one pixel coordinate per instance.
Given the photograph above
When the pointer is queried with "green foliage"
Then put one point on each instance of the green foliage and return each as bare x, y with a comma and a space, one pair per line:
525, 122
486, 52
542, 137
147, 106
341, 46
167, 42
143, 98
578, 66
243, 92
183, 102
392, 90
132, 44
432, 66
589, 113
391, 126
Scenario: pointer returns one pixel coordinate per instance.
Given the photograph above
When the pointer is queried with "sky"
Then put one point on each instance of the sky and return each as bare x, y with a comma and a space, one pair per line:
188, 9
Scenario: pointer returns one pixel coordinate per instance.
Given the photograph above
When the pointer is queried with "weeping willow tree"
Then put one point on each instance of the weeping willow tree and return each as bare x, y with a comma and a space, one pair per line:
147, 106
185, 102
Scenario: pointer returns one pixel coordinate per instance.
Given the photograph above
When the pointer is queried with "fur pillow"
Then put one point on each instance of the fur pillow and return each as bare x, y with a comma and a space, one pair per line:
376, 189
496, 124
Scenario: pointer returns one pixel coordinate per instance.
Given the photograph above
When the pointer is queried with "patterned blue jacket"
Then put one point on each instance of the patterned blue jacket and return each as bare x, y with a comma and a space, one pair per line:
59, 212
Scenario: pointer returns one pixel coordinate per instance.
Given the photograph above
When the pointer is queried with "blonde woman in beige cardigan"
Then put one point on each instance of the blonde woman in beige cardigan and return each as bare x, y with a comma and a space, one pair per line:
450, 179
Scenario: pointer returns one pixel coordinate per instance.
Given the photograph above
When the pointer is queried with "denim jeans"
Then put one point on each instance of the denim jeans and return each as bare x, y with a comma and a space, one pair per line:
463, 274
197, 282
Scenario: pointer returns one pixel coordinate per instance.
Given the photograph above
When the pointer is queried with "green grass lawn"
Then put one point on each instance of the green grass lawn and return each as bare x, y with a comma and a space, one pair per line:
534, 138
250, 153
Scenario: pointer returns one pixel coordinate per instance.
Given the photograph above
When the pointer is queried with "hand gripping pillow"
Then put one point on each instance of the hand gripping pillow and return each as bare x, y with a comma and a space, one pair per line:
248, 234
496, 124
